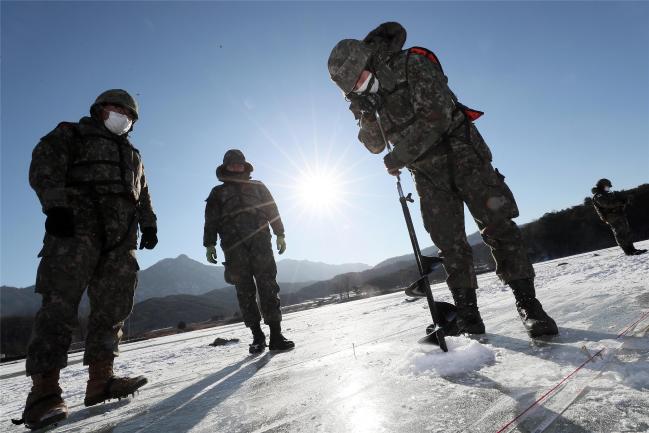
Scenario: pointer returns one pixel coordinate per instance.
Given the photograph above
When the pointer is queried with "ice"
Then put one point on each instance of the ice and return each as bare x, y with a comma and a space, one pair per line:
464, 355
358, 368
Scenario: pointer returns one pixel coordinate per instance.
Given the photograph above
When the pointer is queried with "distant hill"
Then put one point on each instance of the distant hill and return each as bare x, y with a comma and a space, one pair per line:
294, 271
18, 302
183, 276
578, 229
177, 276
186, 276
474, 239
162, 312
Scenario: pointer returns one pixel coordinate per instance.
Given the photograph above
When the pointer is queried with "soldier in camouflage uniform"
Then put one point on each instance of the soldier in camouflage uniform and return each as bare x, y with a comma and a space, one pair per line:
610, 206
404, 95
91, 184
239, 211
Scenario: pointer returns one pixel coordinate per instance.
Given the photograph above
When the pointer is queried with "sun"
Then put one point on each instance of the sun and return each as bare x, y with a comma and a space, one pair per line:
319, 190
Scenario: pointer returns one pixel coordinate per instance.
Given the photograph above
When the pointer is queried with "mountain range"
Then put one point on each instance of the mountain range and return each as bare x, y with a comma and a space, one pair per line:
184, 276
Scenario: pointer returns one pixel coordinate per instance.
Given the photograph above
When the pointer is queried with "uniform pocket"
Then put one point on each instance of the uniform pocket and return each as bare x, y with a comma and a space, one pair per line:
59, 246
507, 193
230, 275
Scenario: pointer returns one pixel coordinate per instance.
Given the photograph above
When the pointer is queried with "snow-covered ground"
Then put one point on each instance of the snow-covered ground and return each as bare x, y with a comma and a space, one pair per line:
358, 368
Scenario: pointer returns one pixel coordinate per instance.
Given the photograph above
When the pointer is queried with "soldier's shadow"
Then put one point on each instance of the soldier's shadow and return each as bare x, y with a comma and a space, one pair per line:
498, 414
558, 350
186, 408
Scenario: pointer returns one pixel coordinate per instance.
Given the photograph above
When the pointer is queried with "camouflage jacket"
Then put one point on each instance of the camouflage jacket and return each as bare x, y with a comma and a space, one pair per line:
98, 174
238, 209
418, 113
608, 204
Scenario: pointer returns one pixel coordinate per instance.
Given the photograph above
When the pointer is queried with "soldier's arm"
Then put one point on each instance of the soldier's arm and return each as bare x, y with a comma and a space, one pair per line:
269, 207
609, 201
433, 105
211, 228
370, 134
49, 167
145, 213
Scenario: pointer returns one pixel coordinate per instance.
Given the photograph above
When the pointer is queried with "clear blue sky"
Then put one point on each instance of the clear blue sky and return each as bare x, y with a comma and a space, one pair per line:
565, 87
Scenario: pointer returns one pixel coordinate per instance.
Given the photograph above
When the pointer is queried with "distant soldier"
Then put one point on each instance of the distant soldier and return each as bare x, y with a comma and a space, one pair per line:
90, 181
611, 206
403, 95
239, 211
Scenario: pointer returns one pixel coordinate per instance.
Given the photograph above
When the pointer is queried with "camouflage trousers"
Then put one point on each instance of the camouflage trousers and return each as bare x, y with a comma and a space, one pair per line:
447, 181
621, 230
250, 267
68, 266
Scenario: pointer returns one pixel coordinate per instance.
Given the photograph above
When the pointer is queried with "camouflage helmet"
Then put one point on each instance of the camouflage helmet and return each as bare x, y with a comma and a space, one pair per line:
235, 156
117, 97
346, 62
602, 183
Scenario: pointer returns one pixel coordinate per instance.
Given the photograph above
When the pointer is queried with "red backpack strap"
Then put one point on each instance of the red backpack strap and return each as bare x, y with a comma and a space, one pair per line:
426, 53
470, 113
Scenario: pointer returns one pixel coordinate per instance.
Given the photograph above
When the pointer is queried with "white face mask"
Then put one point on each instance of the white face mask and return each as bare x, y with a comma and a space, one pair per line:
364, 87
607, 188
118, 123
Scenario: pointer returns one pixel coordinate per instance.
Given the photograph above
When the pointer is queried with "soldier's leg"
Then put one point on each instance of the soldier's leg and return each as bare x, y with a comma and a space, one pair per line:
493, 207
111, 292
622, 232
265, 271
443, 214
63, 274
238, 272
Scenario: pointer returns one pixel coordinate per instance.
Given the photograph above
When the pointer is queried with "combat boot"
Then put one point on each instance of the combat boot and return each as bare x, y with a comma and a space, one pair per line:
104, 385
258, 344
44, 405
536, 321
468, 316
277, 340
630, 250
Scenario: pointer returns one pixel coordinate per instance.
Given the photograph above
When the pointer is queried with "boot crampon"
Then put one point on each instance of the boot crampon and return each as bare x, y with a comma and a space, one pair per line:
104, 385
44, 405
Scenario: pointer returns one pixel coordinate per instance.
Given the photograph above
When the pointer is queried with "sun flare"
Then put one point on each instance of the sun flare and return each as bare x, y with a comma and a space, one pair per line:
319, 190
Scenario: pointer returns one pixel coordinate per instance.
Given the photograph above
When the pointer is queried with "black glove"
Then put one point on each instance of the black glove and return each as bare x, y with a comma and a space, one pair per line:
149, 238
60, 222
392, 163
364, 104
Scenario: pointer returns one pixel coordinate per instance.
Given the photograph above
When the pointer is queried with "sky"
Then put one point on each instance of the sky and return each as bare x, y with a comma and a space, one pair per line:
565, 88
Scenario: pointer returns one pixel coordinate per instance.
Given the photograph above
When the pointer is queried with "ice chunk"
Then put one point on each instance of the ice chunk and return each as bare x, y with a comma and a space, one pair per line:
464, 355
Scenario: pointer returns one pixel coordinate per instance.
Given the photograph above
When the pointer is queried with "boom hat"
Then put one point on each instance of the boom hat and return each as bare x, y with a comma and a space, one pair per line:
117, 97
346, 62
235, 156
602, 183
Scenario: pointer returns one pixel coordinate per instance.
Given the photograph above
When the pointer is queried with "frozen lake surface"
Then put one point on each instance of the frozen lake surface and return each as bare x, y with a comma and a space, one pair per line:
357, 367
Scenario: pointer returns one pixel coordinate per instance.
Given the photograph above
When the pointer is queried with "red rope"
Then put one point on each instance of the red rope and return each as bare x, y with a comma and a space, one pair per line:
551, 390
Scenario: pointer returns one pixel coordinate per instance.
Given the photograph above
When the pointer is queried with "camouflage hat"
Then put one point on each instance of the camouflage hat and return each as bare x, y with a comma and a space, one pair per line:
235, 156
346, 62
602, 183
117, 97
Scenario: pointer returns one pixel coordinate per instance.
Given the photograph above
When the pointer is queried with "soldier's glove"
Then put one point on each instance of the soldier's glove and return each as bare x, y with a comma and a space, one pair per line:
392, 164
210, 254
281, 244
60, 222
364, 104
149, 238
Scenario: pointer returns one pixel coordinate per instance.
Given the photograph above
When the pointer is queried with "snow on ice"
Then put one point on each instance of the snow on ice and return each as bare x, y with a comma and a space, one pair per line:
464, 355
357, 367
